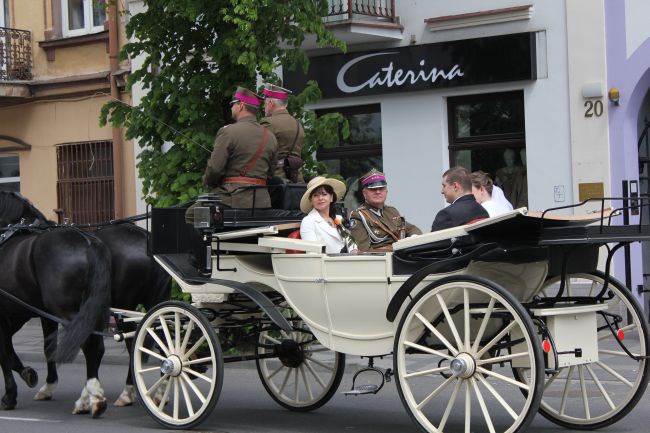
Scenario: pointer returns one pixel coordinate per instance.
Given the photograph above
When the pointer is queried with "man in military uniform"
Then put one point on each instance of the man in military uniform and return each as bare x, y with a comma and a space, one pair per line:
244, 156
374, 225
287, 130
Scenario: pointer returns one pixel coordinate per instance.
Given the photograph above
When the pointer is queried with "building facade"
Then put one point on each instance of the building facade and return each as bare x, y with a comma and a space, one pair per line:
549, 97
58, 67
519, 89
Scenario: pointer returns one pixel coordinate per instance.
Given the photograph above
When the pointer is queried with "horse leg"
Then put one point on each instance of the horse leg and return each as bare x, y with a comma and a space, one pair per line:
8, 401
28, 374
50, 330
92, 397
127, 397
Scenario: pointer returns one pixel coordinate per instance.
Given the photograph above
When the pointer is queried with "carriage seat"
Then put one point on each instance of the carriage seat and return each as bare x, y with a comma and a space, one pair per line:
284, 194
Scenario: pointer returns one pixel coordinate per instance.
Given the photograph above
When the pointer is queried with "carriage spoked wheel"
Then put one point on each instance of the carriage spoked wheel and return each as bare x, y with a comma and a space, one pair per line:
597, 394
454, 348
177, 365
303, 374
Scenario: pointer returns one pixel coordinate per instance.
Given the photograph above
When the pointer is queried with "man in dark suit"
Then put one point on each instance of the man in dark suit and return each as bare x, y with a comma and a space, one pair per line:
463, 208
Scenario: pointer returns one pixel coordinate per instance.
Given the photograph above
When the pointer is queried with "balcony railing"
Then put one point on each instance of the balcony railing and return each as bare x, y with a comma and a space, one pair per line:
359, 9
15, 54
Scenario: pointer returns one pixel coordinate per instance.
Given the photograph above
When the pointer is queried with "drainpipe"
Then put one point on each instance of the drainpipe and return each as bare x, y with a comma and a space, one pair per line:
118, 143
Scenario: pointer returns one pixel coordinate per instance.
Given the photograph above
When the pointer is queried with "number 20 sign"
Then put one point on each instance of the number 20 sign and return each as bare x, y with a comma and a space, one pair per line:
593, 108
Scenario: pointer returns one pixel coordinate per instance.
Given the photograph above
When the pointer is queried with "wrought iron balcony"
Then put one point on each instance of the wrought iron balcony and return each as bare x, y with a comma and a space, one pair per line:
15, 54
363, 21
383, 10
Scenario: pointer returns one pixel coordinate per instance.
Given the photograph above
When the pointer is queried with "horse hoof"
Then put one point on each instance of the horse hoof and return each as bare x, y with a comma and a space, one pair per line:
120, 402
41, 396
30, 376
78, 411
6, 404
99, 408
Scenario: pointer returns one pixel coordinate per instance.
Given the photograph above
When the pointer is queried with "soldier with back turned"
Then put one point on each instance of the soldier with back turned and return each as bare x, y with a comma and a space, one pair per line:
287, 130
244, 156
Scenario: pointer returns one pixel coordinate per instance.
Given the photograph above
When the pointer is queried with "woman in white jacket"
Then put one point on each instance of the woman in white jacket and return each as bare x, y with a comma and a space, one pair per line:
321, 222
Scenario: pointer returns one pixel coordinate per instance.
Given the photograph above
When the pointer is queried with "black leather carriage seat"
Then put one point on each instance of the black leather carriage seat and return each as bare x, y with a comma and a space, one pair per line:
285, 195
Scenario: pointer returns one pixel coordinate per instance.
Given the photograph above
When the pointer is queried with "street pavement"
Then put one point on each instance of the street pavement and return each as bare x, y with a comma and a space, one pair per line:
243, 406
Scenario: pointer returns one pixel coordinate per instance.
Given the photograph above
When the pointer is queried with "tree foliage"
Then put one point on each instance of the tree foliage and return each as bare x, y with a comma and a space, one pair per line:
195, 54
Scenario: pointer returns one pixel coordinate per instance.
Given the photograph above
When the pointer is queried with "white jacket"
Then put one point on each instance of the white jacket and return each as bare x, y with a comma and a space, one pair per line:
314, 228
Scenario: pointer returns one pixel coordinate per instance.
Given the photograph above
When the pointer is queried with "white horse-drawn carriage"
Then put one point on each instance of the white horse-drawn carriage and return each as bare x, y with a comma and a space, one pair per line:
487, 323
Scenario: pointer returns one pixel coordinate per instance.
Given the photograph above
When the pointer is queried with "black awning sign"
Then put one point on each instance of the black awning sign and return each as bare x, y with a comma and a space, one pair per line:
390, 77
466, 62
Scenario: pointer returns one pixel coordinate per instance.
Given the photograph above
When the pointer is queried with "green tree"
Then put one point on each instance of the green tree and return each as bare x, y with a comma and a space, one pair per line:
195, 53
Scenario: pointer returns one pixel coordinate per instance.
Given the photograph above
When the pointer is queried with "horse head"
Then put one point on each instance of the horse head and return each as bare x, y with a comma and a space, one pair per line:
14, 208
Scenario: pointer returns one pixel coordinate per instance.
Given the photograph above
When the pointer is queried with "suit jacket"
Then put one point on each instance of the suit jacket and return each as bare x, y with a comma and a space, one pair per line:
462, 211
234, 148
314, 228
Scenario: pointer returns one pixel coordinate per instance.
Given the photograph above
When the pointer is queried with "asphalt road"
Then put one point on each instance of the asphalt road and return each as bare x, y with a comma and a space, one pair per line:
244, 407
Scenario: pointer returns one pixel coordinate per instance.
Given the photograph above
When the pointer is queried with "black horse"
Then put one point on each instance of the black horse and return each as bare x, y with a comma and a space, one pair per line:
137, 280
64, 272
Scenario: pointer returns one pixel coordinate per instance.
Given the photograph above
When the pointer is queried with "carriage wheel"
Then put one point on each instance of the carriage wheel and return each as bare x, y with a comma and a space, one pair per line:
305, 374
453, 353
598, 394
177, 365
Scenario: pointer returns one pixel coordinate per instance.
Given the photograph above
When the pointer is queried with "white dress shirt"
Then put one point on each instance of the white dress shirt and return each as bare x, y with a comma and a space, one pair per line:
314, 228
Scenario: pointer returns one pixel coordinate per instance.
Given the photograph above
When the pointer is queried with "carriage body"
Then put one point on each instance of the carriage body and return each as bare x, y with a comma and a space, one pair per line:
343, 298
485, 308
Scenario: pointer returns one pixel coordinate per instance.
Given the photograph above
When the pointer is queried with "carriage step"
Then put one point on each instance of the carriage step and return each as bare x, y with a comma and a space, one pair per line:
380, 378
363, 389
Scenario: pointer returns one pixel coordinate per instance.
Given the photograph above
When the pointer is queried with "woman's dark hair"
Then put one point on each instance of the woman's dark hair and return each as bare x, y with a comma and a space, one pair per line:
328, 189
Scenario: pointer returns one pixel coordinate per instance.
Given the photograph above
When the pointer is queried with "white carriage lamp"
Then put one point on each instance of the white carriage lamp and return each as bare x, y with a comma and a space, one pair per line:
614, 95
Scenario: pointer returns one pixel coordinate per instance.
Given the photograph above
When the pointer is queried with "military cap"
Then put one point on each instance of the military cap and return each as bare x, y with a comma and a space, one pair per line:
373, 179
246, 96
276, 92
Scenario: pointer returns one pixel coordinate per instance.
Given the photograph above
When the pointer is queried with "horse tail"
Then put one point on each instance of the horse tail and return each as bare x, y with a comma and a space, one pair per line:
95, 302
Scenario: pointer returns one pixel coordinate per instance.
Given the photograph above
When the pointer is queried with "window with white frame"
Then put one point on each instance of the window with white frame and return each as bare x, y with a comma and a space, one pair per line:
9, 173
81, 17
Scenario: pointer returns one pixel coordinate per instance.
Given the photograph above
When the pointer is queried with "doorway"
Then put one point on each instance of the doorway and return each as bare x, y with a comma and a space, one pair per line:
643, 128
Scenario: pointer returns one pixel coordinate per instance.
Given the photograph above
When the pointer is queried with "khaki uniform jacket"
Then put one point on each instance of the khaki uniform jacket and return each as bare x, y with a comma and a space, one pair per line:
283, 125
368, 233
234, 148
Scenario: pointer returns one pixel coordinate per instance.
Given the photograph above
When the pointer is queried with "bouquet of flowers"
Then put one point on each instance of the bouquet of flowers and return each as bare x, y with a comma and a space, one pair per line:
342, 225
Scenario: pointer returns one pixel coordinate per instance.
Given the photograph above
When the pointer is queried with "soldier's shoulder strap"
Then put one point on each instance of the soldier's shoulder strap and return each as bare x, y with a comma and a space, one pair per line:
372, 217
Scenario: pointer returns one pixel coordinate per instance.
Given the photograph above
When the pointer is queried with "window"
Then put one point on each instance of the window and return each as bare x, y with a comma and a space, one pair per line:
85, 181
2, 13
9, 173
81, 17
487, 132
360, 152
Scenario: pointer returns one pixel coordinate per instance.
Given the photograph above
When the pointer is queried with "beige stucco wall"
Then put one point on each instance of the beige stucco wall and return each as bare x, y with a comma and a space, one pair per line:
43, 125
56, 118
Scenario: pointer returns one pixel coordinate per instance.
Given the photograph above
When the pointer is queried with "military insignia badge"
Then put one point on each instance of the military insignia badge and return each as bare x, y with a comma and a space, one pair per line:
352, 224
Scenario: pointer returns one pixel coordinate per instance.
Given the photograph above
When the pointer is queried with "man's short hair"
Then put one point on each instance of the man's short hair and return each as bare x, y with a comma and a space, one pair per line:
459, 175
482, 179
280, 102
251, 109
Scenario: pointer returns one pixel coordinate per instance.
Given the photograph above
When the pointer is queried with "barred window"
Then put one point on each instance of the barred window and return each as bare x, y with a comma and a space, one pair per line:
85, 181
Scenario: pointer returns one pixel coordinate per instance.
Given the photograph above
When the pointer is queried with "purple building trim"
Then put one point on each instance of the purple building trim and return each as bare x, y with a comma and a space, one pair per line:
632, 77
